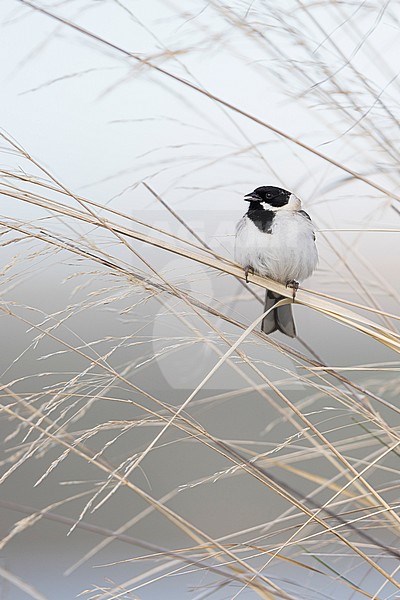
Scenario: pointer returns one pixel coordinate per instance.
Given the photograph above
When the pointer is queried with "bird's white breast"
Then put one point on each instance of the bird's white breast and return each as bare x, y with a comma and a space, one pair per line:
288, 252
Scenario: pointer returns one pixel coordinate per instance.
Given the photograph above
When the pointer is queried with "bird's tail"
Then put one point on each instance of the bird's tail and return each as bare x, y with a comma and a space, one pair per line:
278, 319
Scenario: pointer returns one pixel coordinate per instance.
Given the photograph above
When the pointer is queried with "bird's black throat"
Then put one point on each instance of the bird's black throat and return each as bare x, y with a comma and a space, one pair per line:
261, 218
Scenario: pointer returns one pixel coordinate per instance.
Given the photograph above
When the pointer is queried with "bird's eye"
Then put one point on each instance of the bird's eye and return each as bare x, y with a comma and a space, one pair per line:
269, 195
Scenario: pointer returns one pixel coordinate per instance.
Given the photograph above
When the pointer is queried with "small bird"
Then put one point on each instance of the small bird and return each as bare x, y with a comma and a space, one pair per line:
278, 242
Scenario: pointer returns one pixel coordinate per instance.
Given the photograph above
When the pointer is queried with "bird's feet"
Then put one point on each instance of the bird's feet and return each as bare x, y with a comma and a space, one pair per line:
248, 269
294, 285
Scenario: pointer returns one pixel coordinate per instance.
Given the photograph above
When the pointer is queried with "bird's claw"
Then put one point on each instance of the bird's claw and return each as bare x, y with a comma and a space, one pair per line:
294, 285
248, 270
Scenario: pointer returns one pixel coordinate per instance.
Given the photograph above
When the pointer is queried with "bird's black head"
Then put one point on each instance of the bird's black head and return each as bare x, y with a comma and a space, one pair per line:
269, 194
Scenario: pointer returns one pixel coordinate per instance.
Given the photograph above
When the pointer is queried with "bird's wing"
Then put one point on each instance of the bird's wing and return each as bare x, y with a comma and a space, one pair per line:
306, 216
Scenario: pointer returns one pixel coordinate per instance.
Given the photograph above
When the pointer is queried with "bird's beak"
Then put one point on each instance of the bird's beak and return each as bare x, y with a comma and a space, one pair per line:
252, 196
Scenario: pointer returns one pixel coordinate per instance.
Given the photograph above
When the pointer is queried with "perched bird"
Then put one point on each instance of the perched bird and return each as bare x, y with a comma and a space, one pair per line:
276, 239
